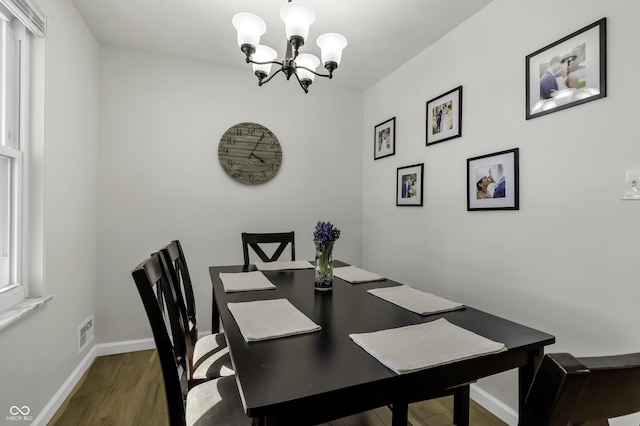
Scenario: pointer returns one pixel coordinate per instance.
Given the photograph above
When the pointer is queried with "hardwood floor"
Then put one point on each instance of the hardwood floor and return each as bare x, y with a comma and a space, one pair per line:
124, 389
127, 389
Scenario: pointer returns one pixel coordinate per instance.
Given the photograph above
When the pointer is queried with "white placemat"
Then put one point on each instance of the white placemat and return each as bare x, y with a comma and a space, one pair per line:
355, 275
268, 319
420, 346
245, 281
284, 265
415, 300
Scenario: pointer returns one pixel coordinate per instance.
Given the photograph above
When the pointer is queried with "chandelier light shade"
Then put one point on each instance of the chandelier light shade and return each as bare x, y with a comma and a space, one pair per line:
331, 46
265, 56
249, 27
297, 17
306, 67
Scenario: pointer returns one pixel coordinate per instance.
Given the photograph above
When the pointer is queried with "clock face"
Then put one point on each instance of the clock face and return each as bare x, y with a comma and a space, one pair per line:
250, 153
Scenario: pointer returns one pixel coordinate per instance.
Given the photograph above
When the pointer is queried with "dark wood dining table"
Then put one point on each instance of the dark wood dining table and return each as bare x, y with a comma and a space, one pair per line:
313, 378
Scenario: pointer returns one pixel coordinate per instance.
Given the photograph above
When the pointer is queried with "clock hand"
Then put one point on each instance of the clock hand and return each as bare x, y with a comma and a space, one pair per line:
253, 155
254, 148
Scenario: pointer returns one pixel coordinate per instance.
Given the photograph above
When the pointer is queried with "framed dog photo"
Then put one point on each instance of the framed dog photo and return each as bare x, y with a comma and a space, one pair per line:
444, 117
492, 181
384, 139
409, 182
568, 72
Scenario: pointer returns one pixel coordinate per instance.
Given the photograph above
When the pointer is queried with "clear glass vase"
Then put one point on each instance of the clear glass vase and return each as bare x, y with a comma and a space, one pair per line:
324, 266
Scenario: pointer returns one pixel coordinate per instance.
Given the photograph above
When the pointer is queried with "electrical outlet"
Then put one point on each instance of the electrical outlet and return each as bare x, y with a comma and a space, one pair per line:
631, 188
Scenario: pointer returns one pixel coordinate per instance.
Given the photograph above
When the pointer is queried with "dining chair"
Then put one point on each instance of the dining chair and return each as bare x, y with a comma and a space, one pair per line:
582, 391
254, 240
207, 356
189, 403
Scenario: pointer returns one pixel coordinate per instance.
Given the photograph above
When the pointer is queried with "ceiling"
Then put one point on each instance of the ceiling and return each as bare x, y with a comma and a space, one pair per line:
382, 34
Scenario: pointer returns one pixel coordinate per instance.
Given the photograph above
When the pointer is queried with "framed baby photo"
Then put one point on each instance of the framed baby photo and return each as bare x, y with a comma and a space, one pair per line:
409, 183
384, 139
568, 72
444, 117
492, 181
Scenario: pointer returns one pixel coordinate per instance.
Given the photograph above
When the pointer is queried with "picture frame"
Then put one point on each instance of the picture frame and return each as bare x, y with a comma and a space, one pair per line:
384, 139
568, 72
493, 181
444, 117
409, 185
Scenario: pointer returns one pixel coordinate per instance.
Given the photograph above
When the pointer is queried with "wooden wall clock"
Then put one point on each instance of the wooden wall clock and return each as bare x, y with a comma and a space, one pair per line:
250, 153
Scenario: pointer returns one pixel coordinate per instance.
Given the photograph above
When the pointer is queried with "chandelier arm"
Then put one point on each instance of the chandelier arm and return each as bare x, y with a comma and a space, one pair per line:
251, 61
318, 74
270, 77
300, 82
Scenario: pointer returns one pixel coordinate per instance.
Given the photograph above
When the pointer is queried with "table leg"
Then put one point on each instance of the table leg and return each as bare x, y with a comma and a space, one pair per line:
461, 405
526, 374
399, 414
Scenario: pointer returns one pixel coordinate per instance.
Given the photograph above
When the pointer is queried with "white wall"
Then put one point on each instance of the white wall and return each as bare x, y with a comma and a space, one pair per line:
161, 120
563, 263
40, 352
566, 262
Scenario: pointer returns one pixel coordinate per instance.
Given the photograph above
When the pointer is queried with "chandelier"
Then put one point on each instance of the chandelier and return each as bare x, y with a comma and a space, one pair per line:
297, 18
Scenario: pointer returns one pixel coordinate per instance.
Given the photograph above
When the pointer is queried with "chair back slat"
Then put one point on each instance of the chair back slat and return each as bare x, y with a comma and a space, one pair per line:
148, 276
181, 285
179, 263
254, 240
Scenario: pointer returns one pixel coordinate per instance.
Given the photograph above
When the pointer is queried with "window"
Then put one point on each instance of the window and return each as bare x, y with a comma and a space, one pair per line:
19, 19
12, 145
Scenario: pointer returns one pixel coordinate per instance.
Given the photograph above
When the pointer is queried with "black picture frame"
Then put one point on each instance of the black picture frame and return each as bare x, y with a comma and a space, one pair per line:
413, 193
493, 181
444, 117
569, 72
384, 139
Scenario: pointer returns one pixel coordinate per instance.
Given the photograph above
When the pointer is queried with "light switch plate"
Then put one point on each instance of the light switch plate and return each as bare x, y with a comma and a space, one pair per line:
631, 189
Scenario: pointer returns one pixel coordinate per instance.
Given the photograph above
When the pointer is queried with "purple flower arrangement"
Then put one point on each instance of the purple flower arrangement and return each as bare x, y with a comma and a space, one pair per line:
324, 236
325, 231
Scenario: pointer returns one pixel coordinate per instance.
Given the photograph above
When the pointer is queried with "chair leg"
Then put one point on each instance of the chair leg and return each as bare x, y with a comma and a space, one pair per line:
215, 316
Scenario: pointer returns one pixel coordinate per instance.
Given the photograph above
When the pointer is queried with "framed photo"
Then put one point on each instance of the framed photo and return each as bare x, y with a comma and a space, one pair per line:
409, 185
384, 139
444, 117
569, 72
492, 181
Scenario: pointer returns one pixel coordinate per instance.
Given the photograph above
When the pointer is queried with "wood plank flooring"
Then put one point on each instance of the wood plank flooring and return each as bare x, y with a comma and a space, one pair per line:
127, 389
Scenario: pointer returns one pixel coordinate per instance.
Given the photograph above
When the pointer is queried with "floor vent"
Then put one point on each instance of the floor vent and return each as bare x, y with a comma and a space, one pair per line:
85, 333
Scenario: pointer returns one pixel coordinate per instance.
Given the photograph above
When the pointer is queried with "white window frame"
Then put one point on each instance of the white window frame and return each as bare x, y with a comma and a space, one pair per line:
15, 123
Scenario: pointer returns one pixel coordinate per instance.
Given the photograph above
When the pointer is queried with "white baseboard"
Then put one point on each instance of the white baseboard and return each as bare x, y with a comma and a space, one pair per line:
126, 346
495, 406
97, 350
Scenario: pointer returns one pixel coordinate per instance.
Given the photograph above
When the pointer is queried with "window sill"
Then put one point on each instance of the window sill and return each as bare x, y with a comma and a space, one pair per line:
22, 310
